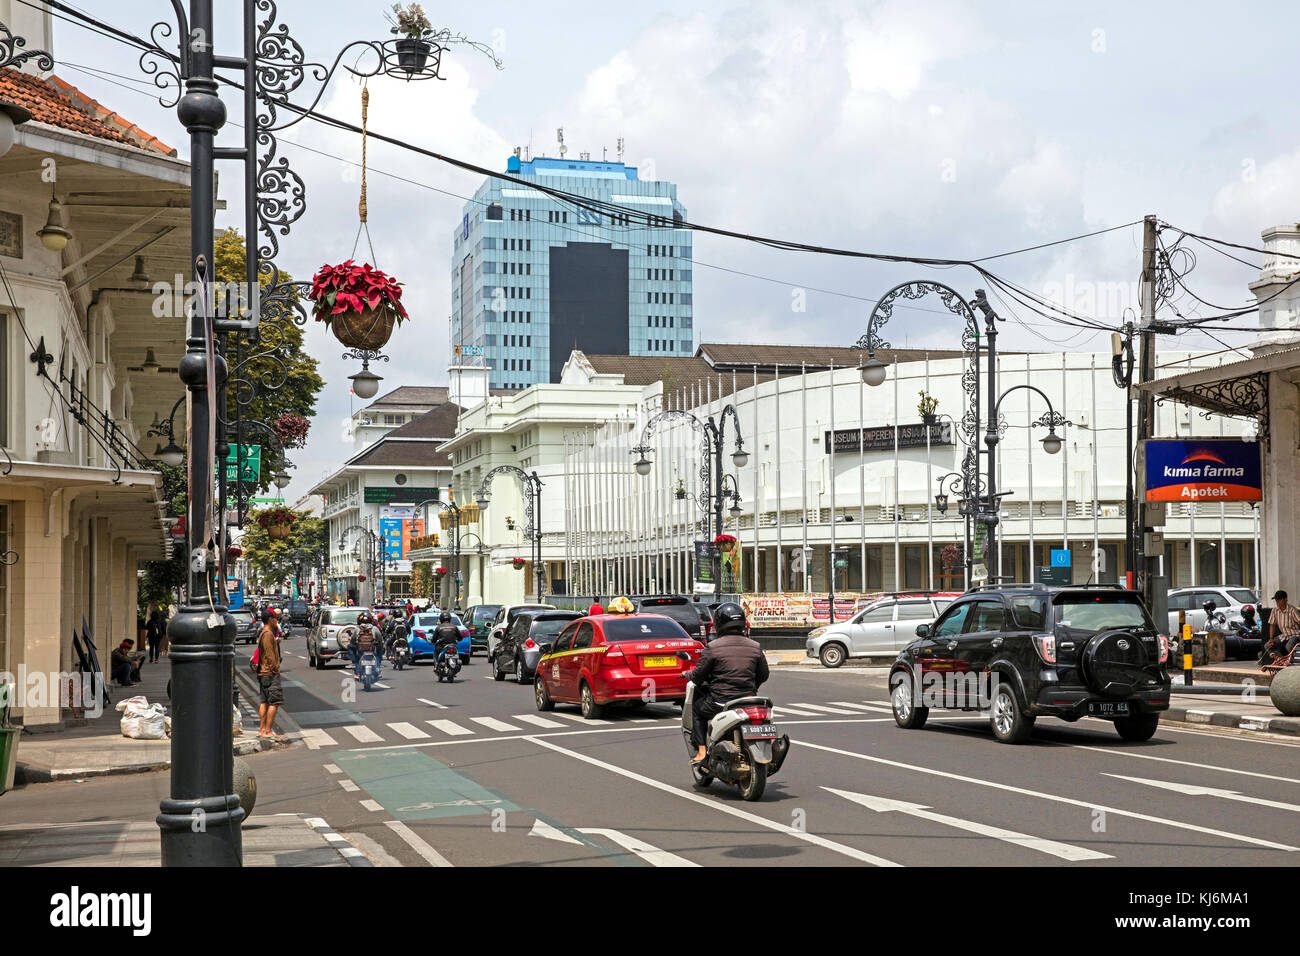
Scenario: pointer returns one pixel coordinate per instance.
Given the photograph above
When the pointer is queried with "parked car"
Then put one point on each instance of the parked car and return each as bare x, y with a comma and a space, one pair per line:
521, 647
322, 640
479, 618
505, 617
678, 607
606, 659
1022, 652
881, 629
247, 626
1228, 601
419, 636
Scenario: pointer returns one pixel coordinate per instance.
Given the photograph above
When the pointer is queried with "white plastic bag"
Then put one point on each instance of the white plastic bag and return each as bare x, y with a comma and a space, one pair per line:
149, 724
237, 722
133, 706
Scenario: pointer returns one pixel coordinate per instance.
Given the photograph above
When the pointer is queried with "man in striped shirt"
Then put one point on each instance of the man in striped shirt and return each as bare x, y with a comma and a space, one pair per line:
1284, 623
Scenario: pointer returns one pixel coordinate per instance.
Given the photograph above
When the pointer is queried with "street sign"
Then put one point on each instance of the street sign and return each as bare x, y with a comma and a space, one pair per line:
1061, 558
1055, 576
1203, 469
244, 463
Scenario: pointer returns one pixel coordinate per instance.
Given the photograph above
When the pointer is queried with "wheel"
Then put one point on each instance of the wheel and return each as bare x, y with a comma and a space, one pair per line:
906, 714
1010, 724
590, 709
497, 673
755, 782
521, 675
1137, 728
540, 696
832, 655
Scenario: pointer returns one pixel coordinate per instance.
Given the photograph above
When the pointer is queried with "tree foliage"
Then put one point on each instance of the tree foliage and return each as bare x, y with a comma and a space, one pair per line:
271, 561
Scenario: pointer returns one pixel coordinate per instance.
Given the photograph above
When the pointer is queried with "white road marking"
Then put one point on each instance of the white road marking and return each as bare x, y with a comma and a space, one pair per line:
543, 829
783, 710
1197, 790
1064, 851
537, 721
374, 806
315, 738
363, 733
427, 853
823, 709
348, 785
409, 731
580, 719
380, 683
753, 818
652, 855
432, 703
449, 727
1070, 801
875, 708
333, 768
491, 723
1114, 752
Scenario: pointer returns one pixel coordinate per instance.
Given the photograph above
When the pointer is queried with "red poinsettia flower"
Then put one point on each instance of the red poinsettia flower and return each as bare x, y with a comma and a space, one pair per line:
349, 287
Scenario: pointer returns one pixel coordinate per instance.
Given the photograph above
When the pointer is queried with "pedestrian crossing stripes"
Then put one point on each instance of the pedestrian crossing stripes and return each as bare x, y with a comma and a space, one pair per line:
432, 703
397, 731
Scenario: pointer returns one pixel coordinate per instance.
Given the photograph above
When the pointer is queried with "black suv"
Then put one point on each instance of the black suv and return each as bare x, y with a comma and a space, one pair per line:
1020, 652
678, 607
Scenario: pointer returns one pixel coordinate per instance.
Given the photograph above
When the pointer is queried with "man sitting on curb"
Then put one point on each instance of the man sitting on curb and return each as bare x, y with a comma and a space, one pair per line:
126, 664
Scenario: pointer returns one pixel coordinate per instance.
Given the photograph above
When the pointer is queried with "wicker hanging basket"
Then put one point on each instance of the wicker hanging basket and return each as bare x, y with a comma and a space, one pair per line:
369, 330
279, 530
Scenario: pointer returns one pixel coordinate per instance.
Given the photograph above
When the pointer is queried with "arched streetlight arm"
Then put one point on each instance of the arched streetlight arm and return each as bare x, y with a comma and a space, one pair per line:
722, 427
1050, 420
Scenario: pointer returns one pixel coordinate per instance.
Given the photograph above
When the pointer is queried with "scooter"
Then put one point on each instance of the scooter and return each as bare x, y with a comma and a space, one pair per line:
369, 667
744, 746
448, 665
400, 653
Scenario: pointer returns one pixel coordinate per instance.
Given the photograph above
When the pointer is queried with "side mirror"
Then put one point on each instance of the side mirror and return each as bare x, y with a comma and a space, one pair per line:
923, 630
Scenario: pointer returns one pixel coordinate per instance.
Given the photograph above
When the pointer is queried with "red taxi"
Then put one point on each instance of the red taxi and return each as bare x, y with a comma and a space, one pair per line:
615, 659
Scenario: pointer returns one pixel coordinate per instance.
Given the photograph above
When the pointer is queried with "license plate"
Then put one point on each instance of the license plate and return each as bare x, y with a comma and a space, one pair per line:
759, 731
659, 661
1105, 708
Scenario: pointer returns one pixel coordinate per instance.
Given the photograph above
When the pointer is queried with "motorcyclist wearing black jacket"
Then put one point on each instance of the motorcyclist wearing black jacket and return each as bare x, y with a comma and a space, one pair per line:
731, 666
446, 633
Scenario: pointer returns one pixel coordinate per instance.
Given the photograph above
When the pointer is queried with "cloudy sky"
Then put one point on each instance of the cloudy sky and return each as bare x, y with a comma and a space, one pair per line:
917, 127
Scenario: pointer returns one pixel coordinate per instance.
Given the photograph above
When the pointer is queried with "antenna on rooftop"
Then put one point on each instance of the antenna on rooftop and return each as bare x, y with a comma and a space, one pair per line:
518, 150
559, 135
584, 156
620, 149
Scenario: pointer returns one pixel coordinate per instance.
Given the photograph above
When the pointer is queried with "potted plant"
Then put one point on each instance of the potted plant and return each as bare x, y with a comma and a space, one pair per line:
291, 430
950, 556
725, 542
517, 563
414, 29
680, 491
360, 304
927, 406
277, 521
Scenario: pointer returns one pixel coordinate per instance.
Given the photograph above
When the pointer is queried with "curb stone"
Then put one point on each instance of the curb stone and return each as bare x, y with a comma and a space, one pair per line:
1289, 726
345, 849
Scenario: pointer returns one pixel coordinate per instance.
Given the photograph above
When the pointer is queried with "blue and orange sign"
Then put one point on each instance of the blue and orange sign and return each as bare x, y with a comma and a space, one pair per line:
1209, 469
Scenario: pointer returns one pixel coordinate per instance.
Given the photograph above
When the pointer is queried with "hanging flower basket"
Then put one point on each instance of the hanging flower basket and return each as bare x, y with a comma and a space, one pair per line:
291, 430
361, 577
277, 521
950, 556
441, 572
517, 563
234, 553
360, 304
412, 55
725, 542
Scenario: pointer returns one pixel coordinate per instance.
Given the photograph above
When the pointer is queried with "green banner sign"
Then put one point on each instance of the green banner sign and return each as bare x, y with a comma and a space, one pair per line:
244, 463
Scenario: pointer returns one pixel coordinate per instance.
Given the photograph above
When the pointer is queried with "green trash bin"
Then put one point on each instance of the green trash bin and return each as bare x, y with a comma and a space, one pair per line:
8, 757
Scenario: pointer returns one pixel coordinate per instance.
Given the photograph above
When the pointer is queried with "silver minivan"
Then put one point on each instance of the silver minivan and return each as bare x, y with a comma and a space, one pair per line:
881, 629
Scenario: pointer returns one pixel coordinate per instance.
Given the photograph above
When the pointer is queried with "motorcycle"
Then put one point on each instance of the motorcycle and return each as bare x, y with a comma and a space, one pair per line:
744, 746
400, 653
369, 668
448, 665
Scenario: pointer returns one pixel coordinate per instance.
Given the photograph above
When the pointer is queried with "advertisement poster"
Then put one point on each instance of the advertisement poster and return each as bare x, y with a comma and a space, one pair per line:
397, 526
799, 610
731, 569
1203, 469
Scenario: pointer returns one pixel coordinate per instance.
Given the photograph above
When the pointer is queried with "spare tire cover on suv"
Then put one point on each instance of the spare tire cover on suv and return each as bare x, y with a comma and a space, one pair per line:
1114, 662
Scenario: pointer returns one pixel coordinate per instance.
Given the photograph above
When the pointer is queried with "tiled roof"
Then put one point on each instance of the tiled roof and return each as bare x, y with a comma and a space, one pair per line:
412, 454
439, 423
412, 395
57, 103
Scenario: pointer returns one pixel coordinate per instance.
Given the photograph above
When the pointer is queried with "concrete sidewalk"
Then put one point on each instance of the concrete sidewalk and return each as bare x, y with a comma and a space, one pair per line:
285, 839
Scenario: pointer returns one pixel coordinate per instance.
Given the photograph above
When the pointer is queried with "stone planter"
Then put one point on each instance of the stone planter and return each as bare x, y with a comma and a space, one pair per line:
368, 331
1284, 691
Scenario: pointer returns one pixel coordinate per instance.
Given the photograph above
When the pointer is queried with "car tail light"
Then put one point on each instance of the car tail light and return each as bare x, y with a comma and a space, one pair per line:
529, 644
614, 657
464, 632
1045, 644
1163, 643
757, 715
422, 635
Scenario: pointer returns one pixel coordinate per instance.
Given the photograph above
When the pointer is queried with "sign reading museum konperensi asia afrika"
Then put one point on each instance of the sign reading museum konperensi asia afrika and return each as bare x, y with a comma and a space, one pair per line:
1203, 469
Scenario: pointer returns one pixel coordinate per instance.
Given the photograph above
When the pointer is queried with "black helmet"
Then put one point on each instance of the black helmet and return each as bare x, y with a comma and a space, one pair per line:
444, 618
729, 619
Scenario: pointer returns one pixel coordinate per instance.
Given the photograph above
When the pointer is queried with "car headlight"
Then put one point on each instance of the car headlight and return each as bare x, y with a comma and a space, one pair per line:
816, 633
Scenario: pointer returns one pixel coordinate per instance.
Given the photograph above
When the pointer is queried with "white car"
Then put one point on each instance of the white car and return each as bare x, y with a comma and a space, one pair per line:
506, 617
1228, 601
881, 629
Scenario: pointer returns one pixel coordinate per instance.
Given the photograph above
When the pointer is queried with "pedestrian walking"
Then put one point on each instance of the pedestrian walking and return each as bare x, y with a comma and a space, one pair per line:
268, 679
155, 631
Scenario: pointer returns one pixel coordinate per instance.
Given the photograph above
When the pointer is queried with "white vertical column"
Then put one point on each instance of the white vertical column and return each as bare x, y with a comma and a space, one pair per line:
834, 517
1096, 490
1065, 463
898, 571
780, 545
929, 483
803, 472
862, 477
568, 520
1223, 531
1030, 475
754, 583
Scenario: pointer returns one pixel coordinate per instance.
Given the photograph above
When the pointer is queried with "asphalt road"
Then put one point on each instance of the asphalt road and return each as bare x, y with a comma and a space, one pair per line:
417, 773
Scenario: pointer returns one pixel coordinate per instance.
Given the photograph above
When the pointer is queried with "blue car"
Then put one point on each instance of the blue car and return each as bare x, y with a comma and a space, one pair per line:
419, 636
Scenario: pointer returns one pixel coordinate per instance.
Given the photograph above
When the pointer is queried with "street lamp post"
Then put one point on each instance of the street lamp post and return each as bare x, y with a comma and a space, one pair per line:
712, 479
874, 371
372, 544
532, 514
450, 505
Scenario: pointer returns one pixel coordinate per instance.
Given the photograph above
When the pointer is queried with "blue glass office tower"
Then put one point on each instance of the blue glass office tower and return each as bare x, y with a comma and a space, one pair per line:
534, 277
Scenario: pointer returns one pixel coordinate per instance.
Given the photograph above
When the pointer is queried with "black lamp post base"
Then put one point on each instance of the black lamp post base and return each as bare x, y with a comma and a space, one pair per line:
202, 832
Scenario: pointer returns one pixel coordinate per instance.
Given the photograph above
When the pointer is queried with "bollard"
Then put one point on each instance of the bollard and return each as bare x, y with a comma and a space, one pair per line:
1187, 654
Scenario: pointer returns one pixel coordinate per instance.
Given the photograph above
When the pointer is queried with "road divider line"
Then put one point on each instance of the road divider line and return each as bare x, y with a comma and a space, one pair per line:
409, 731
1197, 790
426, 852
822, 709
449, 727
363, 733
1054, 798
537, 721
652, 855
1113, 752
579, 718
333, 768
374, 806
432, 703
877, 708
348, 785
782, 710
782, 828
1064, 851
315, 738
